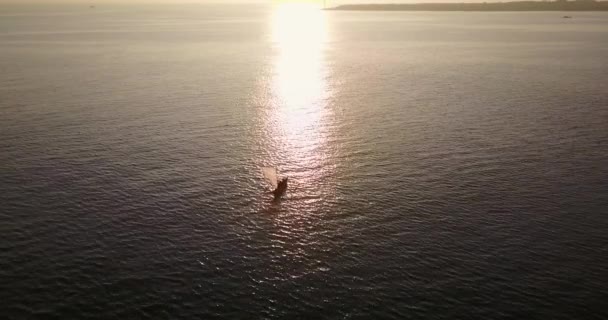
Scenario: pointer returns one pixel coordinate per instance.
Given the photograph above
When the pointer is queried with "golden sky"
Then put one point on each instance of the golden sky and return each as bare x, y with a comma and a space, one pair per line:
329, 2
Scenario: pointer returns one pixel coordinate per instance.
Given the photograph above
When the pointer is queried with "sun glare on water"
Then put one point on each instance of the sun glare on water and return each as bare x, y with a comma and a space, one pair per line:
299, 34
298, 89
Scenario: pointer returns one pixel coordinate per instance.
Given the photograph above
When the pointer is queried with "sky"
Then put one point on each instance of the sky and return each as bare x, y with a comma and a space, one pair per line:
329, 2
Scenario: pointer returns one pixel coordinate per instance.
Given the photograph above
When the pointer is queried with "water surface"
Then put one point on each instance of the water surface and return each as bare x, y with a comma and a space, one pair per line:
441, 165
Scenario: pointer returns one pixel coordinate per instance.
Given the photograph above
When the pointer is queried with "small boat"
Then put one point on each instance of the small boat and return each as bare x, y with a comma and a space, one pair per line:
279, 187
567, 17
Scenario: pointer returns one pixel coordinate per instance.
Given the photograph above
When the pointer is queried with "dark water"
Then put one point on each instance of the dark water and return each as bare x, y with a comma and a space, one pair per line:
442, 165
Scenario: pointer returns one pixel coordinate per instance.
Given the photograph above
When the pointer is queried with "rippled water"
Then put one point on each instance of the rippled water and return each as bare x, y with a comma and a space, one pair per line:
441, 165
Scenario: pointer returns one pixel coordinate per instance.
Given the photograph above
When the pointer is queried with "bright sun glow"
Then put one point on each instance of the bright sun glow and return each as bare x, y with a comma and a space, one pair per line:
299, 1
299, 89
299, 35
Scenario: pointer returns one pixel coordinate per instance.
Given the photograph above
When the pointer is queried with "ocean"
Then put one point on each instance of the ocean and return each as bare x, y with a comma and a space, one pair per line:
440, 165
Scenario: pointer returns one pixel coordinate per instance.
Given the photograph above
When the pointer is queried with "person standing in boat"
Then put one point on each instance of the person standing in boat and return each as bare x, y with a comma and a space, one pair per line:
281, 188
278, 187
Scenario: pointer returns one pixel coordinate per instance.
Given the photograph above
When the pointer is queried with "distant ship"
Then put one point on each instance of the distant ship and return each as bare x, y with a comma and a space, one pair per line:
567, 17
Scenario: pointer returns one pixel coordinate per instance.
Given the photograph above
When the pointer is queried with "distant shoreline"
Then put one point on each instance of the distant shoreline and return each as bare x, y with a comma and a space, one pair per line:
493, 6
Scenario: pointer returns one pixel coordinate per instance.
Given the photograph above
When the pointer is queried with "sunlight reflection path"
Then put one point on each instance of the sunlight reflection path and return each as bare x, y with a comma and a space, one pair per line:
294, 129
299, 85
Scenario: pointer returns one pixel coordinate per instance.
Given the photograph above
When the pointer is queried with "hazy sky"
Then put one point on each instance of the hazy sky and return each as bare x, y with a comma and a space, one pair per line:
329, 2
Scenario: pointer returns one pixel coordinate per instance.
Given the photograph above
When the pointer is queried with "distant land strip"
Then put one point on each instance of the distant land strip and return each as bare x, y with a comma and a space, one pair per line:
580, 5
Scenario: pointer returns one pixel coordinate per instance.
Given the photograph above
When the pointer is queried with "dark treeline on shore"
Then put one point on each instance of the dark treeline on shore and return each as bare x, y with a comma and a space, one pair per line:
485, 6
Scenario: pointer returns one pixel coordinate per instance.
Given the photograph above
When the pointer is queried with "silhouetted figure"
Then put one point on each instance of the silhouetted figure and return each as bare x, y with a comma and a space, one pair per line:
281, 188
